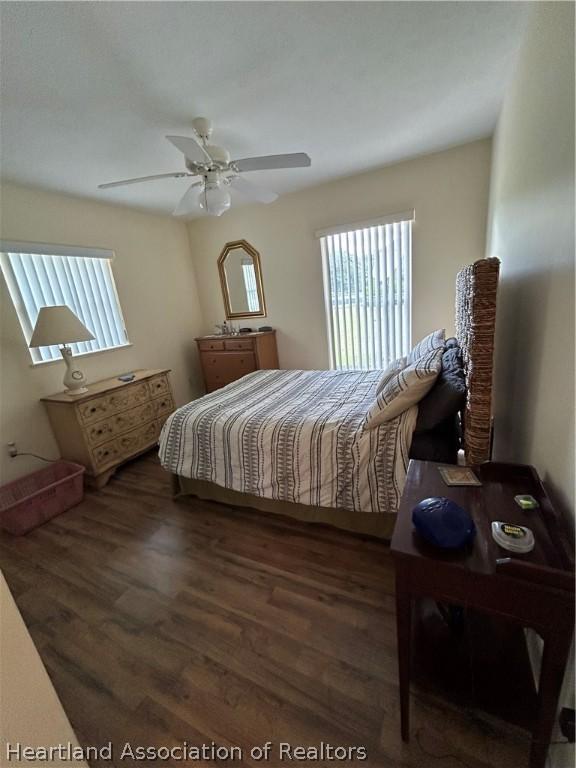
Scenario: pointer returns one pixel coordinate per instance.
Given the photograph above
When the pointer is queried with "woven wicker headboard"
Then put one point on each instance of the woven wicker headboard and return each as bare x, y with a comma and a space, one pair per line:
476, 288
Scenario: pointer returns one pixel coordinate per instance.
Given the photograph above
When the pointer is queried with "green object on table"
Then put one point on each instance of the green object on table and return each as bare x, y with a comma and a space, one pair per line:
526, 501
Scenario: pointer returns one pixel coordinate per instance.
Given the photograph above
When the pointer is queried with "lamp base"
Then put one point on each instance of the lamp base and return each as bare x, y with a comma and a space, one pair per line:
74, 379
80, 391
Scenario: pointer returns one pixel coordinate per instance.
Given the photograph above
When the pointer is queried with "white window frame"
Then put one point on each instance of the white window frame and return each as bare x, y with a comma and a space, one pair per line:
27, 322
365, 337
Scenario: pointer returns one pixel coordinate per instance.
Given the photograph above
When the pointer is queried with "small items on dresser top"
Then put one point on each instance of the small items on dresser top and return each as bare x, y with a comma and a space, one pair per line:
443, 523
227, 357
229, 329
526, 501
514, 538
454, 475
113, 421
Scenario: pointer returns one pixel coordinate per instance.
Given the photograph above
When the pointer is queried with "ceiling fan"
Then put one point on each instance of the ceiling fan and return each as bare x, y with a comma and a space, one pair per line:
218, 172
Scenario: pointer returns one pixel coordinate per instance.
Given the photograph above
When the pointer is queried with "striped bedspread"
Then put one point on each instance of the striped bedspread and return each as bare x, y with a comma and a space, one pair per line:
297, 436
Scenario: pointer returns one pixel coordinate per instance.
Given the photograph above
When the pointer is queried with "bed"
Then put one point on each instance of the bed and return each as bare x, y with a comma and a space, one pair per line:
295, 442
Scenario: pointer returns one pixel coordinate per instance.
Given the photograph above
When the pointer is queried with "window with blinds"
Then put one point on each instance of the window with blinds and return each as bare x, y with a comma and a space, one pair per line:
80, 278
250, 285
367, 290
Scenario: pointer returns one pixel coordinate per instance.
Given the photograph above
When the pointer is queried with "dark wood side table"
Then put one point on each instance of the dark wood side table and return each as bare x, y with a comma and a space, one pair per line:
534, 590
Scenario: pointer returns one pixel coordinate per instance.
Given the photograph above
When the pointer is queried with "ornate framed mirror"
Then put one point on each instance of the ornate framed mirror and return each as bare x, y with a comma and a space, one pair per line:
241, 280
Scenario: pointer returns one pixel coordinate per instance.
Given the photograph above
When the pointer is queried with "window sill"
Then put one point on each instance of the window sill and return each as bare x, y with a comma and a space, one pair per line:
41, 363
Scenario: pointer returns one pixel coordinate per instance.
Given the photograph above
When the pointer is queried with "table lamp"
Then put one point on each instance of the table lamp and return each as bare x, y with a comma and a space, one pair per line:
59, 325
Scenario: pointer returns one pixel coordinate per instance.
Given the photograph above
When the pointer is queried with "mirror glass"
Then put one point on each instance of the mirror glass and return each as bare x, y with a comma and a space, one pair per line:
241, 279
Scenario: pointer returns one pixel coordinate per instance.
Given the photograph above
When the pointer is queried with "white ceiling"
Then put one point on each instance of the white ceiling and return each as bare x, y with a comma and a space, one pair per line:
89, 90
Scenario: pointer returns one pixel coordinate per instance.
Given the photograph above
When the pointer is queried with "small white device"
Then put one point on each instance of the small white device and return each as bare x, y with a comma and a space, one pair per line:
514, 538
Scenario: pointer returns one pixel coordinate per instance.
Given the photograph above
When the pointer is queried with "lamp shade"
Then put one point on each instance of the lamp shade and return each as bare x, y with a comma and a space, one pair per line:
58, 325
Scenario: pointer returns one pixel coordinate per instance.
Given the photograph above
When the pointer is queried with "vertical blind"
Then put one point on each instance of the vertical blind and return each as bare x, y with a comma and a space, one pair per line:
367, 290
86, 285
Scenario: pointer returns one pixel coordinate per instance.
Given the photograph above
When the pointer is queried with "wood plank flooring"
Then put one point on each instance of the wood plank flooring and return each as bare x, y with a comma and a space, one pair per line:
162, 621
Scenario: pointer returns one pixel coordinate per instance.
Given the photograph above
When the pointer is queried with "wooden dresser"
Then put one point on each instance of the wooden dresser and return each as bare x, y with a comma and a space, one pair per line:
112, 422
227, 358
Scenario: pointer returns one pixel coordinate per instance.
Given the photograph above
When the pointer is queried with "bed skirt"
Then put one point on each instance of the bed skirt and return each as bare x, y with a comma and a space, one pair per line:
380, 525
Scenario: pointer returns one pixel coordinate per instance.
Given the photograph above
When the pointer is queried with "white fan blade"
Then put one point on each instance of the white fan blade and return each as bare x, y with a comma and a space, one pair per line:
190, 148
252, 191
269, 162
189, 202
177, 175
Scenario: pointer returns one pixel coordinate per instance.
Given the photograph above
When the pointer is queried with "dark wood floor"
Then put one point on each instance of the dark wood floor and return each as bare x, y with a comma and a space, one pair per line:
163, 621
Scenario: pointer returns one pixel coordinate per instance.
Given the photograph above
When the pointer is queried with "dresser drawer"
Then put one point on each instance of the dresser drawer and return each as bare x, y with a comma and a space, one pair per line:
106, 455
133, 418
158, 385
126, 445
163, 406
99, 407
104, 430
221, 362
137, 440
223, 368
238, 344
207, 345
100, 432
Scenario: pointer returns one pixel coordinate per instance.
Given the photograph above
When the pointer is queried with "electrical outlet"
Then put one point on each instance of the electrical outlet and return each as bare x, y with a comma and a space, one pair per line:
12, 450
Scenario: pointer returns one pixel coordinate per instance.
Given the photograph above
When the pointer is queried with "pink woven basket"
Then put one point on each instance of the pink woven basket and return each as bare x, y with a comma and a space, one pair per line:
31, 500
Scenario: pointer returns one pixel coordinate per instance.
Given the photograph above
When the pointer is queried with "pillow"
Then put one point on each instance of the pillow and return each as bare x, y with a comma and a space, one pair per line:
452, 361
451, 342
438, 444
394, 367
447, 396
405, 388
433, 341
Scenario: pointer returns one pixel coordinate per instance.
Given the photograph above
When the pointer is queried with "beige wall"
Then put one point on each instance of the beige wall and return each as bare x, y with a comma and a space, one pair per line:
157, 291
449, 191
532, 231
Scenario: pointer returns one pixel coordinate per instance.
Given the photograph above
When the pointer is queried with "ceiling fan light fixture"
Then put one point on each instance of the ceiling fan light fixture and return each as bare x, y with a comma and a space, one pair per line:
216, 171
214, 199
